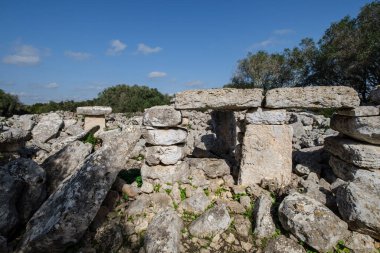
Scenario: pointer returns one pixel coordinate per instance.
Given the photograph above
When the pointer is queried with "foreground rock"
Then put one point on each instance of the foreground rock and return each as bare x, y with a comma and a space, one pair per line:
354, 152
48, 127
13, 139
360, 208
361, 128
65, 215
219, 99
165, 137
267, 155
313, 97
281, 244
166, 174
162, 116
212, 167
311, 222
264, 225
164, 233
167, 155
197, 203
214, 221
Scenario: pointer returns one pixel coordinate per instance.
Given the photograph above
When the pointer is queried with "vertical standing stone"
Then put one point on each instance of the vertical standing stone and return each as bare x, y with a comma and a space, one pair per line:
94, 116
267, 155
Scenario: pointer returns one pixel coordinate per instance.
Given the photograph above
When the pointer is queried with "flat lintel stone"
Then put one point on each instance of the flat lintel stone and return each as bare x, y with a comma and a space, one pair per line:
313, 97
94, 110
360, 111
224, 99
266, 117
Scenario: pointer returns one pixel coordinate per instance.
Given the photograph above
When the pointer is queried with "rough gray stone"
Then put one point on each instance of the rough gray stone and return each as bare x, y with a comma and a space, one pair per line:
361, 128
166, 174
164, 233
354, 152
108, 237
360, 111
166, 155
64, 217
219, 99
212, 222
48, 127
360, 209
263, 222
13, 139
267, 117
374, 95
197, 203
212, 167
162, 116
94, 110
139, 205
281, 244
359, 243
311, 222
313, 97
165, 137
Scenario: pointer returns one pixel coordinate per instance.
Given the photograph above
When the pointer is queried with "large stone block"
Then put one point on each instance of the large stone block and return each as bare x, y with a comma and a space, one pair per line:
354, 152
164, 154
313, 97
267, 154
162, 116
165, 137
92, 121
219, 99
48, 127
94, 110
360, 111
267, 117
166, 174
361, 128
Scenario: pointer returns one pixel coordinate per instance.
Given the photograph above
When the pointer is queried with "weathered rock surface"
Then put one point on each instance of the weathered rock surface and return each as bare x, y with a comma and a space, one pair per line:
267, 117
360, 111
197, 203
166, 155
109, 237
359, 243
64, 163
94, 110
281, 244
13, 139
313, 97
162, 116
212, 167
164, 233
212, 222
166, 174
374, 95
311, 222
263, 221
219, 99
64, 217
48, 127
266, 154
354, 152
359, 208
361, 128
165, 137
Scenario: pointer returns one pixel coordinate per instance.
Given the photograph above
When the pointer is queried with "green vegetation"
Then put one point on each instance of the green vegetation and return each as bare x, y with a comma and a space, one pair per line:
237, 196
347, 54
90, 138
182, 192
168, 191
189, 216
9, 104
139, 181
156, 187
130, 176
207, 192
125, 197
219, 191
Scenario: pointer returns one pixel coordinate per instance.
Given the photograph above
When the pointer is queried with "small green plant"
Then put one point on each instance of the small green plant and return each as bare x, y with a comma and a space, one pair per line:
249, 212
237, 196
175, 205
125, 197
140, 157
182, 192
189, 126
189, 216
219, 191
276, 233
212, 204
341, 248
90, 138
156, 187
168, 191
207, 192
139, 181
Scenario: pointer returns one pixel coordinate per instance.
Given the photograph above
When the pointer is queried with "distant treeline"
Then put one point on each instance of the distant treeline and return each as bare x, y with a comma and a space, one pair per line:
348, 54
122, 98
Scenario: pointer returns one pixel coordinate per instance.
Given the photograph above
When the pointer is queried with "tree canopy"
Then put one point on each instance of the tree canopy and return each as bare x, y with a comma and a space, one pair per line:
9, 104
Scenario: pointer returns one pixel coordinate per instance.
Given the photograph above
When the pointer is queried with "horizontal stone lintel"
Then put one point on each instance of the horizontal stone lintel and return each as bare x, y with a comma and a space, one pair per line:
94, 110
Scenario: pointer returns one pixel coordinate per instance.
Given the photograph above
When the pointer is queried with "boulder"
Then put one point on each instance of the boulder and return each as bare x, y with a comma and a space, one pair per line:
109, 237
94, 110
64, 217
162, 116
166, 174
281, 244
166, 155
25, 122
212, 222
197, 203
354, 152
164, 233
13, 139
165, 137
346, 171
212, 167
64, 163
374, 95
263, 222
266, 155
360, 111
360, 208
232, 99
311, 222
361, 128
261, 116
48, 127
313, 97
359, 243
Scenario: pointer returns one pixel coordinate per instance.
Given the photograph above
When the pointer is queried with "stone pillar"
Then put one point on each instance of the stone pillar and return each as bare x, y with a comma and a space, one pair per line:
94, 116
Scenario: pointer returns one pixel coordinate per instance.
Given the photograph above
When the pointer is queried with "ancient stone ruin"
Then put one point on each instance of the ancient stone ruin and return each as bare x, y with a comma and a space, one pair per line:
220, 170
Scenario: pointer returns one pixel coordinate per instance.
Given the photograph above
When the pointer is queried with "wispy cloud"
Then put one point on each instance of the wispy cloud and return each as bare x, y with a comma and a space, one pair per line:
116, 47
157, 74
23, 55
195, 83
79, 56
265, 43
51, 86
145, 49
283, 31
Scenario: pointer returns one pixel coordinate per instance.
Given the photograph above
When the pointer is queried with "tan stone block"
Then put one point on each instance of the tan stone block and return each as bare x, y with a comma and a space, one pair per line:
91, 121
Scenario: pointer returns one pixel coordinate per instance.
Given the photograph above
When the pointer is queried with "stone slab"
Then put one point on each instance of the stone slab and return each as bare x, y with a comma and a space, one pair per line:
267, 117
92, 121
313, 97
228, 99
94, 110
360, 111
162, 116
266, 154
165, 137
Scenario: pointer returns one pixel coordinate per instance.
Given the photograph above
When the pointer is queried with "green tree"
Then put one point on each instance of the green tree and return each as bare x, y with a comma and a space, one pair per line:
9, 104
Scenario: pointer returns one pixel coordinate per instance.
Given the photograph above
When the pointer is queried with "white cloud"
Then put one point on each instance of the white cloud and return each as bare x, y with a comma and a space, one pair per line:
79, 56
24, 55
145, 49
116, 47
283, 31
157, 74
265, 43
196, 83
51, 85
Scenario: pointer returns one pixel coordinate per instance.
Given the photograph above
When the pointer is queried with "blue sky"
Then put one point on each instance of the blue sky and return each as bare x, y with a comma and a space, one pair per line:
59, 50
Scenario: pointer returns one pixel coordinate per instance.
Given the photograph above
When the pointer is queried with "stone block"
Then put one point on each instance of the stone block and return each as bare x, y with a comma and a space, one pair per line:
165, 137
360, 111
267, 117
162, 116
94, 110
91, 121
